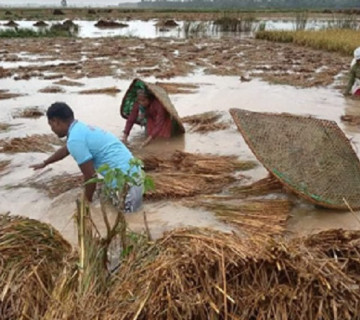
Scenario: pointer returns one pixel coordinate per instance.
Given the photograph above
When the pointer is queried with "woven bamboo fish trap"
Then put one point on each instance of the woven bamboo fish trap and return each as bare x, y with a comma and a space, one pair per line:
160, 94
311, 157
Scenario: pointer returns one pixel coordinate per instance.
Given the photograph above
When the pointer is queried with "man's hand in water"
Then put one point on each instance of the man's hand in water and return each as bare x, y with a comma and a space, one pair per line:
38, 166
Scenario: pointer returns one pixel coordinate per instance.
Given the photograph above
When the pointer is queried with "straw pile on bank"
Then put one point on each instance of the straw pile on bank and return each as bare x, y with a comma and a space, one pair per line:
32, 255
33, 143
203, 274
205, 122
187, 274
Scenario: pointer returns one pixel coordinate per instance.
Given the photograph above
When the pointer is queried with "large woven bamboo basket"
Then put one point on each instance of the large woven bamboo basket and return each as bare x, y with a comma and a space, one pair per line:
312, 157
159, 93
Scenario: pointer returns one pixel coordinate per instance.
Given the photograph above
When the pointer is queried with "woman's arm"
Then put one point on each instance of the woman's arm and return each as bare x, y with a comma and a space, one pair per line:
130, 121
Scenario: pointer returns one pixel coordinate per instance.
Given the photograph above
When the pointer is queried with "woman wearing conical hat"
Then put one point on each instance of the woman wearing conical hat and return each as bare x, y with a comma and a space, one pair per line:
354, 79
148, 111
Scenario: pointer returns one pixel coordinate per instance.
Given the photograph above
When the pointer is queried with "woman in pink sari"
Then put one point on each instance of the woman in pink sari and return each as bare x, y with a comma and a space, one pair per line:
158, 121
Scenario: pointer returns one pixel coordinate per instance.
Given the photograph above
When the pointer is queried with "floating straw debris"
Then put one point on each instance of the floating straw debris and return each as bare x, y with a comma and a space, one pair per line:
176, 88
109, 90
32, 255
205, 122
262, 218
59, 184
31, 112
34, 143
4, 126
195, 163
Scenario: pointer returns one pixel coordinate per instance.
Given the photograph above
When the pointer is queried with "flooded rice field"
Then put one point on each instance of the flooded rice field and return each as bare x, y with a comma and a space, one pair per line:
92, 75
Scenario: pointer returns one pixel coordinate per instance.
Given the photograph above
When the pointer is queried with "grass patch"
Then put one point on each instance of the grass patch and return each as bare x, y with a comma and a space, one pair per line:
54, 31
336, 40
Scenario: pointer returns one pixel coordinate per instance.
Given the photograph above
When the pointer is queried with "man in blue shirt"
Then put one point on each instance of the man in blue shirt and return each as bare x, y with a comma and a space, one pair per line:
91, 147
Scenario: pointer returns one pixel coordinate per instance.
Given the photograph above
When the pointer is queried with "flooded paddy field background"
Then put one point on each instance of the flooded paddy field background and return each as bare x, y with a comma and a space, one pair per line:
92, 75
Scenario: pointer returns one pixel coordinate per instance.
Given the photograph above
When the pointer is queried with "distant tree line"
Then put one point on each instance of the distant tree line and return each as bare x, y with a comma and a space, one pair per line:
265, 4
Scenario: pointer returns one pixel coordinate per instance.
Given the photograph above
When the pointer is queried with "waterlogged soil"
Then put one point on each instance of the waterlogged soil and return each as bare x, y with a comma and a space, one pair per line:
201, 75
126, 58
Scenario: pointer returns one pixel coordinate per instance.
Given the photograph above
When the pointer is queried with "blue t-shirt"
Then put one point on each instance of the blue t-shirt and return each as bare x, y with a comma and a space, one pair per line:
86, 143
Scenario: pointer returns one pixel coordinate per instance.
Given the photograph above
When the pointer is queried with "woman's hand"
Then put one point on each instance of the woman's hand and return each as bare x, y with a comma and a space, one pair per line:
124, 138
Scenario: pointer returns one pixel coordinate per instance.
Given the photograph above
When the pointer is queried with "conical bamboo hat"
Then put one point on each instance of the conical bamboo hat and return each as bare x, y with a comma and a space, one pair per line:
312, 157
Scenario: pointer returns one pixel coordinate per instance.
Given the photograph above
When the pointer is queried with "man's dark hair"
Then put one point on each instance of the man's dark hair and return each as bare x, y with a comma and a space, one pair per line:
61, 111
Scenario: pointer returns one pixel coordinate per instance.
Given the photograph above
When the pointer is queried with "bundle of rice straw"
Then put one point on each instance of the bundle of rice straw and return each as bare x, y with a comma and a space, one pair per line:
263, 218
205, 122
195, 163
260, 187
31, 112
4, 164
351, 119
34, 143
178, 185
203, 274
59, 184
32, 254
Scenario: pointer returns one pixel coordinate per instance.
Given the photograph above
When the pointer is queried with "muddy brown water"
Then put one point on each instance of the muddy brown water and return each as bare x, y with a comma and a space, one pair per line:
214, 93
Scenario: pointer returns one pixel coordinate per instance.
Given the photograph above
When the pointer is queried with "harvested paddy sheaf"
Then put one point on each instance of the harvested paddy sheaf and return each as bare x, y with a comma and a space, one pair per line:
57, 185
40, 24
189, 273
68, 83
169, 23
185, 174
11, 23
253, 217
260, 187
30, 112
207, 121
52, 89
4, 126
166, 58
32, 256
351, 119
4, 94
108, 90
4, 165
186, 162
204, 274
33, 143
110, 24
172, 185
175, 88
